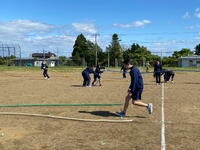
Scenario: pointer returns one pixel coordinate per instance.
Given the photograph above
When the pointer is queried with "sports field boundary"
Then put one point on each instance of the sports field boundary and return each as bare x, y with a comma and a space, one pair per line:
163, 143
66, 118
40, 105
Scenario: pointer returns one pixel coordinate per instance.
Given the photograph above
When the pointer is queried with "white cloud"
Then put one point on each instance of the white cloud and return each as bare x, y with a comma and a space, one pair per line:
84, 27
133, 24
19, 27
193, 27
197, 9
197, 15
34, 36
186, 15
197, 12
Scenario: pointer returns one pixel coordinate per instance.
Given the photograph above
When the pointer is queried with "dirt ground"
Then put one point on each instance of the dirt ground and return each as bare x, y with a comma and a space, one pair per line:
182, 113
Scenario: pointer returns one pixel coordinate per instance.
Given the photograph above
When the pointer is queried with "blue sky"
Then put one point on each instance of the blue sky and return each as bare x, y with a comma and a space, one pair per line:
159, 25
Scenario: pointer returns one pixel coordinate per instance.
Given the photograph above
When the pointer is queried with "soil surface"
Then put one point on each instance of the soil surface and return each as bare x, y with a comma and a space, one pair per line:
182, 113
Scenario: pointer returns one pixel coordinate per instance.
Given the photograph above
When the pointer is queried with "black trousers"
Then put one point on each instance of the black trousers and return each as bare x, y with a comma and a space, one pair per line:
45, 74
158, 77
86, 79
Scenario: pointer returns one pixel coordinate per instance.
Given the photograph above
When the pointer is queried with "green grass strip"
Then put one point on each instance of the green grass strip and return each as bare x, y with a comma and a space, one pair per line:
33, 105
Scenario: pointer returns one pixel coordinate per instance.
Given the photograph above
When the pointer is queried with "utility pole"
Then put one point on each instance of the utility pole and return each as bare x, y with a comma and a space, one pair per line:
96, 59
20, 55
3, 49
108, 58
43, 54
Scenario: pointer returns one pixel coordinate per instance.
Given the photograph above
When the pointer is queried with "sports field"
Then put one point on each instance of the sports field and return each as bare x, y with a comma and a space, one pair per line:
17, 132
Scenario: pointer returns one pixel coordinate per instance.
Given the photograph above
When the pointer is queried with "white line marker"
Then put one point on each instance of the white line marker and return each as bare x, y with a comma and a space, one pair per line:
65, 118
163, 145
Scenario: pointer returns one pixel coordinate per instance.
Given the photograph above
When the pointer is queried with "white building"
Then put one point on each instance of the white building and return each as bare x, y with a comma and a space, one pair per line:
189, 61
37, 59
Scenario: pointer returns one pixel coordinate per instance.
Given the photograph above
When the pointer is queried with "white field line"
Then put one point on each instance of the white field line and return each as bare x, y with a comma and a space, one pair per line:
163, 144
65, 118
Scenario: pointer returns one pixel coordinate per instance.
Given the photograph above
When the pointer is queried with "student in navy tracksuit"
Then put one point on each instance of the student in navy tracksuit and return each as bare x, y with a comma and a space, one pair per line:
44, 67
97, 75
135, 90
124, 71
157, 72
168, 74
86, 76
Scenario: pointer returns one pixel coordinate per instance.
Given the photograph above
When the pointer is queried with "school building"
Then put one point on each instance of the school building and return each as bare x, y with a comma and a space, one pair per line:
189, 61
36, 60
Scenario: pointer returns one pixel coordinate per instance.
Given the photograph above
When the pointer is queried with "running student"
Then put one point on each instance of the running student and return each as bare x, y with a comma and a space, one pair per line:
44, 67
124, 71
86, 76
168, 74
135, 90
97, 75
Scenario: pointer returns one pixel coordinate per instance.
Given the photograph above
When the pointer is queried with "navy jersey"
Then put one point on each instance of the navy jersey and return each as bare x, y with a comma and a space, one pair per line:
98, 71
123, 68
136, 79
88, 70
44, 66
157, 67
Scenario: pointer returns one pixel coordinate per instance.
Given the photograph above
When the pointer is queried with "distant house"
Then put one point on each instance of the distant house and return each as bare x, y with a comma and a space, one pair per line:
36, 60
43, 55
189, 61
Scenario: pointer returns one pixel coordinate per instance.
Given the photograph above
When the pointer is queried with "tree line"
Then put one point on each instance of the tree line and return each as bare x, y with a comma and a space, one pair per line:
85, 52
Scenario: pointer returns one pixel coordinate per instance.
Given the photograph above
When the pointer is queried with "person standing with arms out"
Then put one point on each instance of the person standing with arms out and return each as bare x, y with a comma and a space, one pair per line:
135, 90
124, 71
44, 67
158, 72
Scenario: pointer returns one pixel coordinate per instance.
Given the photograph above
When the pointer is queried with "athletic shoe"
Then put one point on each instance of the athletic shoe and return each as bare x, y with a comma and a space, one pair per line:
121, 114
150, 108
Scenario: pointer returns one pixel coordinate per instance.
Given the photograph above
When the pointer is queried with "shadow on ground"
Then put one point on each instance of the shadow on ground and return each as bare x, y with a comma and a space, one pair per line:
190, 83
107, 114
100, 113
76, 85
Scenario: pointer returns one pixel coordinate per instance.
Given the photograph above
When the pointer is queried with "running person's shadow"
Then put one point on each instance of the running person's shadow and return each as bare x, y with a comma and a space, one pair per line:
100, 113
107, 114
76, 85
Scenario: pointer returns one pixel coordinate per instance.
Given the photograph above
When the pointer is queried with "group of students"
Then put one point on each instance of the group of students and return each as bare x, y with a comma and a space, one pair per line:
97, 76
135, 88
158, 72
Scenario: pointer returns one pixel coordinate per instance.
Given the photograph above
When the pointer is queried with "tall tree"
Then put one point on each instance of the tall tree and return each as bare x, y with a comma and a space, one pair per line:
115, 50
182, 52
84, 51
90, 54
197, 49
139, 54
79, 49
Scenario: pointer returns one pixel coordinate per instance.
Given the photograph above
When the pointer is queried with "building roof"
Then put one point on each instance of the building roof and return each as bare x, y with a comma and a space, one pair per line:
191, 57
36, 59
41, 55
